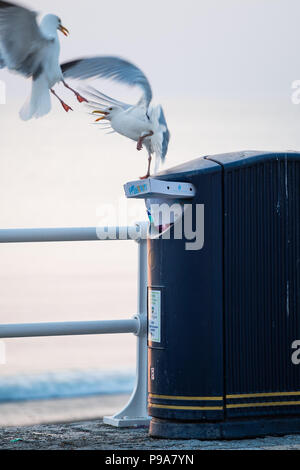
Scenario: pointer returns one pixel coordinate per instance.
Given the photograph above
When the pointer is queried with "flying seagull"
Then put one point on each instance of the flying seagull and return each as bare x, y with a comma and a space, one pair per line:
142, 122
33, 51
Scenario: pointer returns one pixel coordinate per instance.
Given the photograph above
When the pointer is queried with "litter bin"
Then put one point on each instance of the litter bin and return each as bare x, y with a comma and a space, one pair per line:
224, 310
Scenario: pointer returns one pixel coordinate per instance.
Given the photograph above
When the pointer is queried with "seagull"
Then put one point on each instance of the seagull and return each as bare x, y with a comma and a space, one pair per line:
142, 122
33, 51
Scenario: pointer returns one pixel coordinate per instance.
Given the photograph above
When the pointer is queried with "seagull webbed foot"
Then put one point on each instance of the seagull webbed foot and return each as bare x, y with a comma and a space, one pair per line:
66, 107
81, 99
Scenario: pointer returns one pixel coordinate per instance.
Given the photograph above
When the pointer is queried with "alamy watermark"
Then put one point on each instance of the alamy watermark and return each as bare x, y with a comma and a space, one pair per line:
296, 354
187, 220
176, 221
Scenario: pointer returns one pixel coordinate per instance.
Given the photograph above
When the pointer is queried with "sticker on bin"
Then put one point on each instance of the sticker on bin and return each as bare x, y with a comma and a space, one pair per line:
154, 187
154, 316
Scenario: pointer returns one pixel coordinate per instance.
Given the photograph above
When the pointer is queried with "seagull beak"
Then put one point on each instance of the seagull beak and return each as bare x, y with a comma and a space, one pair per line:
101, 112
64, 30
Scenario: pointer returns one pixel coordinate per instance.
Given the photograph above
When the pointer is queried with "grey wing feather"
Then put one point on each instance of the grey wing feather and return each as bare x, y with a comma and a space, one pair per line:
102, 99
2, 63
21, 42
114, 68
166, 135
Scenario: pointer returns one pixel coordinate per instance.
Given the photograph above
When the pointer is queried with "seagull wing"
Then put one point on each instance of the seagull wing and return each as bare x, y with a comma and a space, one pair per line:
100, 99
165, 134
2, 63
161, 138
114, 68
21, 41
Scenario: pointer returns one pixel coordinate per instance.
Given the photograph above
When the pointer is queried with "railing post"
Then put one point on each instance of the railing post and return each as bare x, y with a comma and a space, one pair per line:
135, 412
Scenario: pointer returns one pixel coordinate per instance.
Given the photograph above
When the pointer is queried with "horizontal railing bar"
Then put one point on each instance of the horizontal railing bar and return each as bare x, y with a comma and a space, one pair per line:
27, 330
33, 235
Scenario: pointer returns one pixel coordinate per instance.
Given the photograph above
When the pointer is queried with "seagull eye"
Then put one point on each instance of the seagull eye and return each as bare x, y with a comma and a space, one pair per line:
110, 109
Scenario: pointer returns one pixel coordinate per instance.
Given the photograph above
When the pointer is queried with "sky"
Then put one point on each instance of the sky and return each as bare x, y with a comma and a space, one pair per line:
223, 48
223, 71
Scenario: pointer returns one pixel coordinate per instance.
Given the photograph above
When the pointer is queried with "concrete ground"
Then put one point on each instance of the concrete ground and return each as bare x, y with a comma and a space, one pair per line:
94, 435
76, 424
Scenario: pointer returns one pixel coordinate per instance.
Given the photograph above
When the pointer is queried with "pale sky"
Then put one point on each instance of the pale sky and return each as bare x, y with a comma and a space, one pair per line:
221, 48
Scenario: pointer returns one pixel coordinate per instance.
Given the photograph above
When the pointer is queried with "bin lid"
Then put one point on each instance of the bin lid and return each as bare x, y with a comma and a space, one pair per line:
250, 157
213, 163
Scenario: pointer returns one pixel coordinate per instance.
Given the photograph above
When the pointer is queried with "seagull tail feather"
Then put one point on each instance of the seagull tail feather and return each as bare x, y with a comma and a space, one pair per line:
39, 102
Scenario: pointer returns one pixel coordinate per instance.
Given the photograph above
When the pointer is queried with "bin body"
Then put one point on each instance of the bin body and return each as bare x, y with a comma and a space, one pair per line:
229, 313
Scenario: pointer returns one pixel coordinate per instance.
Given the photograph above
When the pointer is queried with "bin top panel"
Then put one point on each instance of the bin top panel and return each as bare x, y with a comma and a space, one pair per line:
214, 163
200, 164
252, 157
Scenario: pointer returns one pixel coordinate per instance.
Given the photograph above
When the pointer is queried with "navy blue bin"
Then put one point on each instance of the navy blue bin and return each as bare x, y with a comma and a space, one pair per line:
228, 314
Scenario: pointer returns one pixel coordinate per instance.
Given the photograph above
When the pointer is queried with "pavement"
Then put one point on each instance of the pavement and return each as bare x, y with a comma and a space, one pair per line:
77, 424
94, 435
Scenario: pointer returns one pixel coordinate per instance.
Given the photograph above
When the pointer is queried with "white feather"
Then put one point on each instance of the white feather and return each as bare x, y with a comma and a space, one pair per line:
39, 103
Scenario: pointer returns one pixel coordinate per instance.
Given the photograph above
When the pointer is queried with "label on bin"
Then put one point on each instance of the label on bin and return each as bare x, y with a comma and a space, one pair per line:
154, 316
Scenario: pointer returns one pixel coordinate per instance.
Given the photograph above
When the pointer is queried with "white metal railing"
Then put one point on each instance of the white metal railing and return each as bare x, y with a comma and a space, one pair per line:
135, 412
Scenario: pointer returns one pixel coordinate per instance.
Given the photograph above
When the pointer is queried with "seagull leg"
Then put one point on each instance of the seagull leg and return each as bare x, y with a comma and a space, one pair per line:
149, 165
139, 144
141, 140
80, 98
64, 105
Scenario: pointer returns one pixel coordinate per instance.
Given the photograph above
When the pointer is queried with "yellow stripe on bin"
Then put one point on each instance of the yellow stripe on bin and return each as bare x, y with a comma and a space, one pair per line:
170, 397
191, 408
258, 395
270, 403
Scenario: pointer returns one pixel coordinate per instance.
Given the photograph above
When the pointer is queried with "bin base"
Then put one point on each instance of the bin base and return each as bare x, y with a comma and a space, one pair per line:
238, 429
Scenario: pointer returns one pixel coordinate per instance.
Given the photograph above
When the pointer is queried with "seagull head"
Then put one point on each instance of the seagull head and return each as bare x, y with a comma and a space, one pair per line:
107, 113
50, 24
